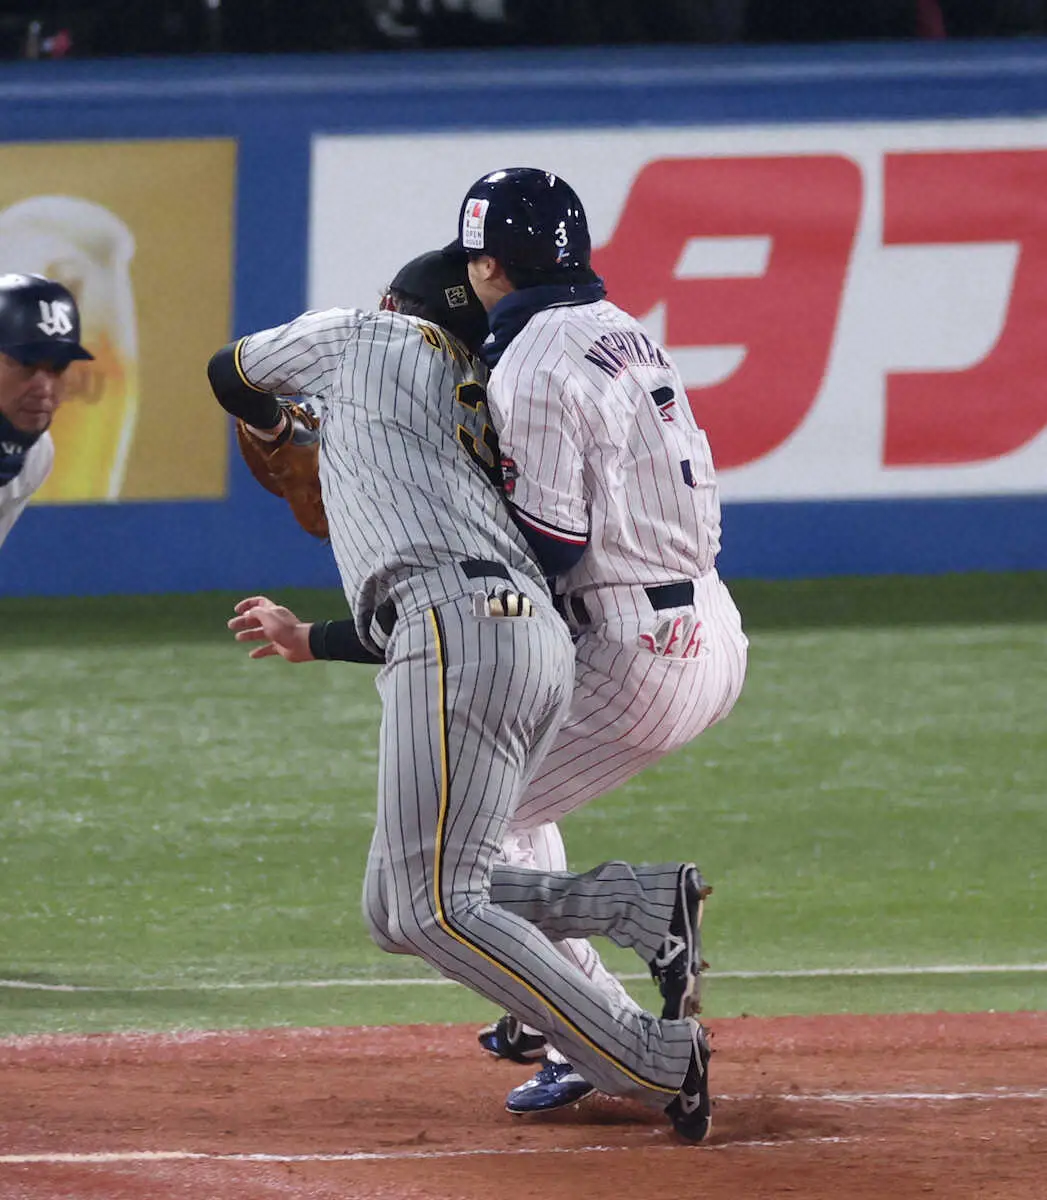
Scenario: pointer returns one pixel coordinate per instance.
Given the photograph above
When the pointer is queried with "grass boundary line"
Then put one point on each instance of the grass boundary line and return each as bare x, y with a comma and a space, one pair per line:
31, 985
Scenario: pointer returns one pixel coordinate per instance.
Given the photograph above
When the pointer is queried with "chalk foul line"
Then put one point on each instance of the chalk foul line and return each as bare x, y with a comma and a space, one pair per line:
88, 1158
147, 1156
32, 985
891, 1098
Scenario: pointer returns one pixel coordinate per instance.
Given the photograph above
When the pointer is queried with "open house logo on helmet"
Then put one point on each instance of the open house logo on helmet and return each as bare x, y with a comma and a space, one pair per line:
526, 218
473, 223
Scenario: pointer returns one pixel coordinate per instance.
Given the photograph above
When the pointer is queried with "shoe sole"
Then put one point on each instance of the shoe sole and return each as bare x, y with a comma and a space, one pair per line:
690, 1138
690, 1004
544, 1108
494, 1056
684, 1133
487, 1039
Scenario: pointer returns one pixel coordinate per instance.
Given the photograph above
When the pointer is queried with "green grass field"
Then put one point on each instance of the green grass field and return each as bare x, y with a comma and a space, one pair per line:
183, 831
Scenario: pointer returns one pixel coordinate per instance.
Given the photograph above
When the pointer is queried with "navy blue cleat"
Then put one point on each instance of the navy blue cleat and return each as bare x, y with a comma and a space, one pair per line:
691, 1109
510, 1039
678, 963
556, 1085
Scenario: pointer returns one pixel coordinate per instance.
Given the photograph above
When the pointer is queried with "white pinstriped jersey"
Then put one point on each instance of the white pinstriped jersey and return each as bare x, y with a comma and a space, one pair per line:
15, 495
595, 417
402, 407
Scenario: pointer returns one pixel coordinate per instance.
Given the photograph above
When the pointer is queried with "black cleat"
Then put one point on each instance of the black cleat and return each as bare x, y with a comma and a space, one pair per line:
691, 1110
678, 963
507, 1038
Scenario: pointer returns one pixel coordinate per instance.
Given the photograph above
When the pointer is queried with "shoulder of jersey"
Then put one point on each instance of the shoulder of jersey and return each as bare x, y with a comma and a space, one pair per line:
551, 332
40, 460
565, 316
38, 463
404, 321
402, 324
336, 311
47, 448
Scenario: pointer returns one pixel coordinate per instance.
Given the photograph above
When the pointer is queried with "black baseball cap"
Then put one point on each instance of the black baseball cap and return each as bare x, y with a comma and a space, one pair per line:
439, 280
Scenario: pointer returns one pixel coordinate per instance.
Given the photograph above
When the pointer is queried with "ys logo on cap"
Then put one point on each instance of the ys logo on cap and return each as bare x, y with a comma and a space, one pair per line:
55, 318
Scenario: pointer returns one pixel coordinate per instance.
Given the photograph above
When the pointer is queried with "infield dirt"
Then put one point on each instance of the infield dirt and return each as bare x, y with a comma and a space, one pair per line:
819, 1107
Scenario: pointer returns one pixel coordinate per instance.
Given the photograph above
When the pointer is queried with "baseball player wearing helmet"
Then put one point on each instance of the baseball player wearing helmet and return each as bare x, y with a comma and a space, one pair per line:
612, 482
478, 669
39, 338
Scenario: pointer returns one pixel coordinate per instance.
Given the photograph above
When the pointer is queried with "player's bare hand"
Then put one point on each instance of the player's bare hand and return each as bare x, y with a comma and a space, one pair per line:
247, 619
259, 619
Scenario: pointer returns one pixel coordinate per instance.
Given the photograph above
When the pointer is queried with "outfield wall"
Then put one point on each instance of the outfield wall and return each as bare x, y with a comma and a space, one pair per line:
840, 246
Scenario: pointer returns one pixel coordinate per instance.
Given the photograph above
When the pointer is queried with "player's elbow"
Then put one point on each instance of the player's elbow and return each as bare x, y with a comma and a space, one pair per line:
238, 397
222, 374
557, 552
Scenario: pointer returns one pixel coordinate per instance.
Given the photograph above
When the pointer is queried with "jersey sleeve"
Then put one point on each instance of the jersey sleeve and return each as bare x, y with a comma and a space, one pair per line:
542, 442
301, 357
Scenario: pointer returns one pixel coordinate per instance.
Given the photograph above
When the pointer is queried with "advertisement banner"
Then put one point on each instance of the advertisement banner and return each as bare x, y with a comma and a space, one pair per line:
141, 233
857, 309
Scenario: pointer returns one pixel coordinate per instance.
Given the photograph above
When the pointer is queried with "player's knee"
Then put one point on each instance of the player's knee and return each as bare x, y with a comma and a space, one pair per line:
421, 926
405, 925
385, 933
383, 939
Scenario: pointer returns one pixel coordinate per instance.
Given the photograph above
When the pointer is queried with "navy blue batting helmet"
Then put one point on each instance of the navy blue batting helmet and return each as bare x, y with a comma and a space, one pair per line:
525, 218
39, 321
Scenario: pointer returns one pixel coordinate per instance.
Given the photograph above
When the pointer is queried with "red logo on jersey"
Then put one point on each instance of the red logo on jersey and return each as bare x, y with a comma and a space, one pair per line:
510, 474
665, 401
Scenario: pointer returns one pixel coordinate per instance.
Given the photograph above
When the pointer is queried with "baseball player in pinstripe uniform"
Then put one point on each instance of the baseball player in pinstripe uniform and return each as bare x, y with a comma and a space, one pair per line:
604, 461
478, 669
39, 338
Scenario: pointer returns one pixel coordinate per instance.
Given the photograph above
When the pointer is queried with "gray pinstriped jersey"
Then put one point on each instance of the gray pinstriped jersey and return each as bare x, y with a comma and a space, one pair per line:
469, 700
400, 404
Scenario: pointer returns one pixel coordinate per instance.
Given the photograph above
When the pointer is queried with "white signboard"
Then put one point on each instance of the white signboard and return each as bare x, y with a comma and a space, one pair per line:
858, 310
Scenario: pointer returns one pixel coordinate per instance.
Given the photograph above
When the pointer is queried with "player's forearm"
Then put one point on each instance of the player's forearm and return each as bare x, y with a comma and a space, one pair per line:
236, 395
338, 640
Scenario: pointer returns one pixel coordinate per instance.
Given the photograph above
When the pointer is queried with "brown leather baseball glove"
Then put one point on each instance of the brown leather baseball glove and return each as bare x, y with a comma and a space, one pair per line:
289, 467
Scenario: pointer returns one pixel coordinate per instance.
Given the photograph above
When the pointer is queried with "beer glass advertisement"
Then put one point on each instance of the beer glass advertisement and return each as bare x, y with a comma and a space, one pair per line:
141, 233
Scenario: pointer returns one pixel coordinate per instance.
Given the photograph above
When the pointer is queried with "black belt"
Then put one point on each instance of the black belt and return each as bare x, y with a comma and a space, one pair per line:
479, 568
671, 595
472, 568
661, 596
